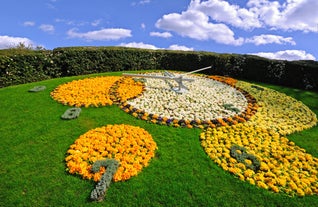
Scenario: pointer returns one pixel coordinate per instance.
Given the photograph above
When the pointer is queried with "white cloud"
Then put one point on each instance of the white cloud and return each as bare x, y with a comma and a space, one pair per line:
223, 11
101, 35
9, 42
144, 2
196, 25
141, 2
287, 55
291, 15
153, 47
139, 45
210, 20
96, 22
47, 28
270, 39
28, 24
161, 34
180, 47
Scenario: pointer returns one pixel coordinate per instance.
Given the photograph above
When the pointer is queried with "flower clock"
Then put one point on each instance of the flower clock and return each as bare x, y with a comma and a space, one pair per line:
244, 129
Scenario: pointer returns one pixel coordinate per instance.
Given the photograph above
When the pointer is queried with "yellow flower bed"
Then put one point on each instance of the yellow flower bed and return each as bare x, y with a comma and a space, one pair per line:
98, 91
132, 146
284, 167
278, 111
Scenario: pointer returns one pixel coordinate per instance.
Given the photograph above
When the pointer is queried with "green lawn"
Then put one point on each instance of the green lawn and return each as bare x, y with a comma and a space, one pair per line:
34, 141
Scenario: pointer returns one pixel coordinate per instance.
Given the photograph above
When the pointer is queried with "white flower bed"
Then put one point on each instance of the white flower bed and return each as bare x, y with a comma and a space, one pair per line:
205, 100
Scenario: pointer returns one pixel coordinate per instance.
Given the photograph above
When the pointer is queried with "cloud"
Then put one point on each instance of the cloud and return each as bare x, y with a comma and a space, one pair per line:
144, 2
101, 35
161, 34
291, 15
28, 24
96, 22
223, 11
9, 42
211, 20
196, 25
139, 45
287, 55
47, 28
179, 47
153, 47
270, 39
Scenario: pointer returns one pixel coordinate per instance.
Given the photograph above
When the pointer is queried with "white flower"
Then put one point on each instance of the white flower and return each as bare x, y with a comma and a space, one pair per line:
205, 99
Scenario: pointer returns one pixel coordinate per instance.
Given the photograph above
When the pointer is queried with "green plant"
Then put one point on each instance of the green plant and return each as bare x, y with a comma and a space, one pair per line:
99, 192
71, 113
37, 89
240, 154
231, 108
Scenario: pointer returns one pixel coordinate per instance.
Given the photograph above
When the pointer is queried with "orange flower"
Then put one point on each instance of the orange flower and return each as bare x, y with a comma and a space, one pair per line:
132, 146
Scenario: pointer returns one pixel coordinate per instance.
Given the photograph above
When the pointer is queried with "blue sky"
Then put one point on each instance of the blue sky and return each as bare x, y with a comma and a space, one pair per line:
281, 29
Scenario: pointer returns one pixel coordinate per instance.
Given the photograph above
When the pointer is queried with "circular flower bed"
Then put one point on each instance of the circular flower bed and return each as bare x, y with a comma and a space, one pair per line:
207, 103
132, 146
98, 91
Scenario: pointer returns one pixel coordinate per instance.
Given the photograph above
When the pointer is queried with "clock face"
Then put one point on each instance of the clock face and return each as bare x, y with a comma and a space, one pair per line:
205, 99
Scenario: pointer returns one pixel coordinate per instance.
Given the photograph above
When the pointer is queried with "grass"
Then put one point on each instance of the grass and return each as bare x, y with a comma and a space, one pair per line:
34, 141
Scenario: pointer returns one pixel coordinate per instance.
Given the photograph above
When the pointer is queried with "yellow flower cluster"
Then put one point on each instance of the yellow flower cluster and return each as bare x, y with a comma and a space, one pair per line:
132, 146
98, 91
284, 167
126, 88
278, 111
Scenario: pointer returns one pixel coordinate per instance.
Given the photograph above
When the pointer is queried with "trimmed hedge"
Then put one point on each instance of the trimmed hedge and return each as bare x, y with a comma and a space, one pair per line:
23, 66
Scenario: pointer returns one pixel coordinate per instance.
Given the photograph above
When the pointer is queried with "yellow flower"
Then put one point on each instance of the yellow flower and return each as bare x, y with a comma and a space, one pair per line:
262, 184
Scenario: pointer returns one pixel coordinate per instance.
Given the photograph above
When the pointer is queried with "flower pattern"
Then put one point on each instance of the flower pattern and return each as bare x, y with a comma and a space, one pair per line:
209, 102
132, 146
284, 167
235, 115
96, 92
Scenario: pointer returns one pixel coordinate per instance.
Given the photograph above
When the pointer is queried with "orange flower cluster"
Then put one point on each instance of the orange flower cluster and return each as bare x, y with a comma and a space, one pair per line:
228, 80
132, 146
86, 92
284, 167
99, 91
126, 88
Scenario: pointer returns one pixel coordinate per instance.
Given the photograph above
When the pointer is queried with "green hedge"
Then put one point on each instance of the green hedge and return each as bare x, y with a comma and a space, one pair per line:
22, 66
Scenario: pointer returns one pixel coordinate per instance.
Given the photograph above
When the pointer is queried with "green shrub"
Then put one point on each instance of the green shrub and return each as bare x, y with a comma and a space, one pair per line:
24, 65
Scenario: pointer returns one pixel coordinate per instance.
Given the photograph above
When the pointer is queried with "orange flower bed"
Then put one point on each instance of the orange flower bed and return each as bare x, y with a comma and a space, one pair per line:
132, 146
125, 89
98, 91
86, 92
227, 80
